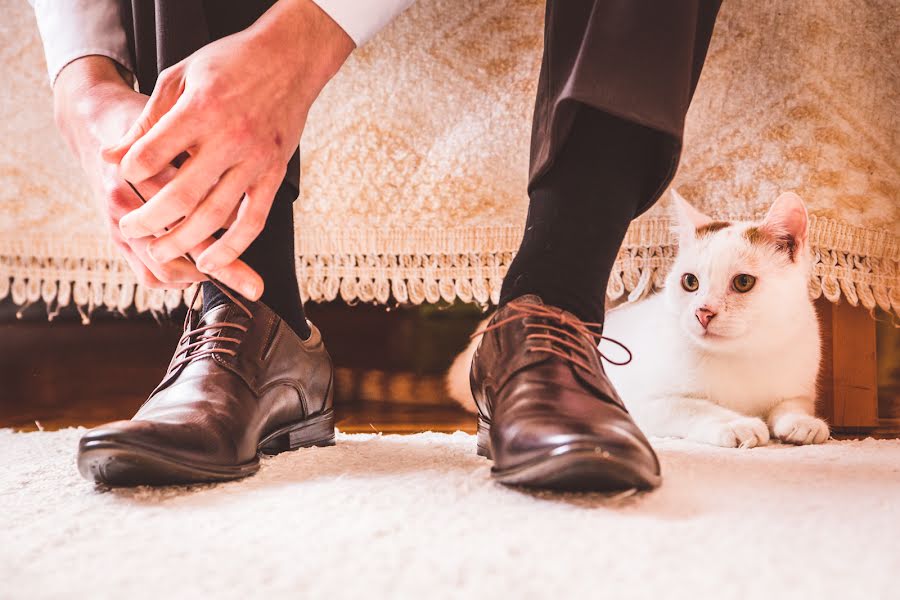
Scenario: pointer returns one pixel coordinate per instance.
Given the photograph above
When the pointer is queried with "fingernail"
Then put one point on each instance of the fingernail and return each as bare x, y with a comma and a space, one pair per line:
249, 289
160, 255
207, 265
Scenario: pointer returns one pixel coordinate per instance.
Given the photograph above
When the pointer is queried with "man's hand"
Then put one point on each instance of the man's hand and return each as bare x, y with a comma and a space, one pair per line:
94, 106
237, 107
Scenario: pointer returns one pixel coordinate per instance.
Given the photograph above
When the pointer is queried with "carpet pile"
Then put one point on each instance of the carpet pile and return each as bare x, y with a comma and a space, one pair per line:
418, 516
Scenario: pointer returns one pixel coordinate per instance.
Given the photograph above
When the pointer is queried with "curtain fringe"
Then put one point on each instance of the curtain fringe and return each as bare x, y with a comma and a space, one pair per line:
430, 266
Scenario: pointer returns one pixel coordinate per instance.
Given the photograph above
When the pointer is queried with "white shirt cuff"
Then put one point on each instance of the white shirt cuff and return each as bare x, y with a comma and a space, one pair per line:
362, 19
71, 29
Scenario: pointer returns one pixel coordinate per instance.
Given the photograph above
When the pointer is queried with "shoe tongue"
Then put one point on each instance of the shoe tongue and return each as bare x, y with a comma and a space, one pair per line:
535, 299
529, 299
221, 313
197, 319
216, 314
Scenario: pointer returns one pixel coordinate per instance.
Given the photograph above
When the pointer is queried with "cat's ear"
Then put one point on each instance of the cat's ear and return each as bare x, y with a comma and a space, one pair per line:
688, 218
787, 223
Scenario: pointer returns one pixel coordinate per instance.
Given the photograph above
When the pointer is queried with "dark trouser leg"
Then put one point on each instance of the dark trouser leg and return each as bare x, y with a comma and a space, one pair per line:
579, 212
615, 85
272, 256
162, 33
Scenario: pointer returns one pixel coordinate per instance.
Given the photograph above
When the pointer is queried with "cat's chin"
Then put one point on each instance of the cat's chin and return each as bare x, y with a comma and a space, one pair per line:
711, 340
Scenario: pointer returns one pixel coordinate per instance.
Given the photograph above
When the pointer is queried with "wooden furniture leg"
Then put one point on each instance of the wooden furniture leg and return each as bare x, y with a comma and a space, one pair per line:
848, 387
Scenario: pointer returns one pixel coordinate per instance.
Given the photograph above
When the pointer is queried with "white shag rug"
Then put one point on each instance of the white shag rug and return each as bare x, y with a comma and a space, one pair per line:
418, 516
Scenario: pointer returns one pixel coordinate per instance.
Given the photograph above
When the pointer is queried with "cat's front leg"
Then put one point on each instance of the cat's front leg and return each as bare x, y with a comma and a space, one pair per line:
792, 421
699, 420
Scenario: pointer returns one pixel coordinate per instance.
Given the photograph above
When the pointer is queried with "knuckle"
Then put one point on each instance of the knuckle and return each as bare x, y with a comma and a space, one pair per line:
219, 212
156, 249
212, 80
276, 174
171, 76
180, 206
206, 100
115, 198
185, 199
166, 77
225, 253
255, 223
167, 274
116, 208
177, 243
180, 242
143, 157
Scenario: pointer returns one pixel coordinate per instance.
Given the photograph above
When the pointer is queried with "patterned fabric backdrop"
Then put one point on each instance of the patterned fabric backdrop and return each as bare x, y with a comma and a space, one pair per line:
415, 158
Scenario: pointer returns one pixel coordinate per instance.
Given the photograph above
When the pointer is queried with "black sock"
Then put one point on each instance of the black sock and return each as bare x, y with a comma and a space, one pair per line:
272, 256
580, 209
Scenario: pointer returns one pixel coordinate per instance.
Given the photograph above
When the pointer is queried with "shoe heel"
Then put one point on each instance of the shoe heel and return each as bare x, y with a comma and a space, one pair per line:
317, 431
484, 438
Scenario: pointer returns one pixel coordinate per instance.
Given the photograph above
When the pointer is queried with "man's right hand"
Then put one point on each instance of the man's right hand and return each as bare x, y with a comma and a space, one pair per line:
94, 106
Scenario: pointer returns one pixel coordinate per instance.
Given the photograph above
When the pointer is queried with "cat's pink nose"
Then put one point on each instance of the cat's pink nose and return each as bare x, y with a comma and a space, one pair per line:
704, 315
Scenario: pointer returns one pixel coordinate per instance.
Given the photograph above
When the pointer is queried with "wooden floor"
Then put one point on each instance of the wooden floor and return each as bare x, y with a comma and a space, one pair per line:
388, 378
389, 367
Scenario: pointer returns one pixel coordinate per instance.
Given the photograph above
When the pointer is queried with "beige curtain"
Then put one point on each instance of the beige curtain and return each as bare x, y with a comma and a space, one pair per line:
415, 158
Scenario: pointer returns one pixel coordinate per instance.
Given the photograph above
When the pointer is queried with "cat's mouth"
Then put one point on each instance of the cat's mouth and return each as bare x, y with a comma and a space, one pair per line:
709, 336
714, 335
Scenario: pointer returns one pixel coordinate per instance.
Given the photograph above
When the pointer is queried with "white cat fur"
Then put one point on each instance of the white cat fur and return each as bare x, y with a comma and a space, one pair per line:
752, 374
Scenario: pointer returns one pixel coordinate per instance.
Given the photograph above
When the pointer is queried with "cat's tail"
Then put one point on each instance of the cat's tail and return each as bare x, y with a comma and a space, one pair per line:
457, 379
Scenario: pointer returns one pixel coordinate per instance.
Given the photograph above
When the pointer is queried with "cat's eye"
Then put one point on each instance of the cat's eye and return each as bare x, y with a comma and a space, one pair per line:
689, 282
743, 283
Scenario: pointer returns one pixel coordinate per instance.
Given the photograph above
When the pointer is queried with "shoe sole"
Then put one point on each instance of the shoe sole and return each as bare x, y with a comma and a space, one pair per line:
576, 467
122, 464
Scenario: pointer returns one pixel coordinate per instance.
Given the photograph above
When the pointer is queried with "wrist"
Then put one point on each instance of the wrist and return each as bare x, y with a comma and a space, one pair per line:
82, 85
82, 91
312, 43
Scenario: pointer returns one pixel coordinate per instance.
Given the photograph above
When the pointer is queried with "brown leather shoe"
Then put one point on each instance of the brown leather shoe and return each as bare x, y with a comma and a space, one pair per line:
240, 383
548, 415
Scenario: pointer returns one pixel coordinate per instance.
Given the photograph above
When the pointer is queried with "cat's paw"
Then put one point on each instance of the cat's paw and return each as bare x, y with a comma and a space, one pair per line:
800, 429
741, 432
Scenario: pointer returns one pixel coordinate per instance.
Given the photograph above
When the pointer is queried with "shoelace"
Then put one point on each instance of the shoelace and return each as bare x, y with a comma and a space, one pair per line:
189, 349
566, 333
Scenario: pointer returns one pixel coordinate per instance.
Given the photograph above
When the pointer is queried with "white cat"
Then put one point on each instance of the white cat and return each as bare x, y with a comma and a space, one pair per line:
728, 352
